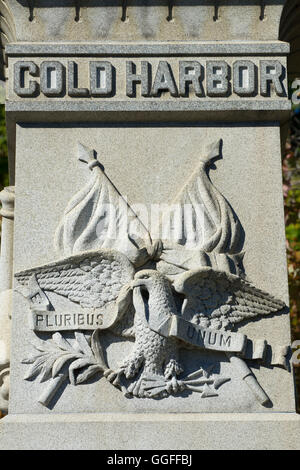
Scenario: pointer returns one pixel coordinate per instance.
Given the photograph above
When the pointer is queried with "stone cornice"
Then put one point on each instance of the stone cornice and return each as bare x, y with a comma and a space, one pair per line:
129, 20
208, 48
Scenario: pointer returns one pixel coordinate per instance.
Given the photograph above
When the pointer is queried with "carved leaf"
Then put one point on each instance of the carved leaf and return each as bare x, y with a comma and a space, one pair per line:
60, 362
83, 344
87, 373
61, 342
79, 364
55, 353
44, 346
45, 373
31, 358
35, 369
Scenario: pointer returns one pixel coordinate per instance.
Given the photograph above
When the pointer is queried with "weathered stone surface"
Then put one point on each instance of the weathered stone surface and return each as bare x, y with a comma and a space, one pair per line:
150, 283
262, 259
143, 20
7, 197
222, 431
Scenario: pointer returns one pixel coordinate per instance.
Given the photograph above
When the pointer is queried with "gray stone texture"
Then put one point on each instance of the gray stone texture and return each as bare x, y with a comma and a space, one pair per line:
264, 260
7, 198
146, 20
148, 87
178, 48
188, 431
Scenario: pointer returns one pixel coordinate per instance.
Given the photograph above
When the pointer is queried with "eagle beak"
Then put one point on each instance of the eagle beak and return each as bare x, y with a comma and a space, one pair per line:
137, 283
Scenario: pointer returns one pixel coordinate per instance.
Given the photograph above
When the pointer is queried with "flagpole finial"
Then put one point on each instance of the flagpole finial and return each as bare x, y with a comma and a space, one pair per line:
88, 155
214, 152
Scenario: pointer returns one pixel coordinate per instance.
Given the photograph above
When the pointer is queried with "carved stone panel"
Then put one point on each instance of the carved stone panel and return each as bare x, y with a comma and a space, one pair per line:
143, 298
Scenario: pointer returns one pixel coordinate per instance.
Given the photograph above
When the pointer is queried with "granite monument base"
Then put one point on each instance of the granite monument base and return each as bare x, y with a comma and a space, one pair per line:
126, 431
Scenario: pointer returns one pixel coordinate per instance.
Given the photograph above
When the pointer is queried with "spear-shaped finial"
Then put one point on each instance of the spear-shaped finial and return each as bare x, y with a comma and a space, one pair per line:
214, 152
87, 155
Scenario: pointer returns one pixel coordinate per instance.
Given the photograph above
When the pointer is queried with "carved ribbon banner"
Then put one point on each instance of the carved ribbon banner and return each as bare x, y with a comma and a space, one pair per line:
175, 327
219, 340
205, 338
64, 321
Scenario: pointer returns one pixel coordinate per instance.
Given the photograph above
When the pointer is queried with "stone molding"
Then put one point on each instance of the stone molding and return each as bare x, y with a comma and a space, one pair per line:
129, 19
212, 431
203, 48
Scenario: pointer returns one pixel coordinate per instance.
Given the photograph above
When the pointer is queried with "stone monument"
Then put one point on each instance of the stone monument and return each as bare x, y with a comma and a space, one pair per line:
143, 270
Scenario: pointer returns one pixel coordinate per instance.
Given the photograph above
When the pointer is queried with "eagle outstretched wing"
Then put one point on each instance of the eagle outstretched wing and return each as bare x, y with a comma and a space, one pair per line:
94, 280
218, 299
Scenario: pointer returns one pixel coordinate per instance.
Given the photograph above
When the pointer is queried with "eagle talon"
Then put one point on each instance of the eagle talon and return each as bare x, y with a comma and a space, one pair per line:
174, 386
113, 376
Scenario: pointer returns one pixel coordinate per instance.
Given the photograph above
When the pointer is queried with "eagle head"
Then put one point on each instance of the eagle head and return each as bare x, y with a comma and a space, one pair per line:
153, 294
149, 279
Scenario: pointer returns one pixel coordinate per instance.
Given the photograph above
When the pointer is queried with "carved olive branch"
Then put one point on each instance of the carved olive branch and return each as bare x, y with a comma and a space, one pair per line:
54, 354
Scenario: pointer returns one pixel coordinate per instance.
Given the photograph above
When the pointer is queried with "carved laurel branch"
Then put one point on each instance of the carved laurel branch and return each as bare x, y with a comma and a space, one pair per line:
51, 357
54, 354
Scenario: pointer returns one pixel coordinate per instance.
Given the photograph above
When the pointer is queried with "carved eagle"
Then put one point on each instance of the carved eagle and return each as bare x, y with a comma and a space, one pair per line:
139, 302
